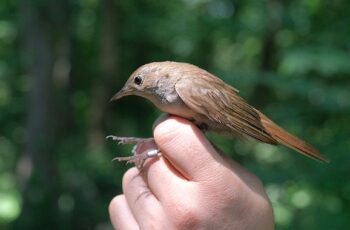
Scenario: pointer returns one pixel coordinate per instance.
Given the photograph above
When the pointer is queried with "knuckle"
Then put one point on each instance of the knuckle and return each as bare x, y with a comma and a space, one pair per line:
185, 216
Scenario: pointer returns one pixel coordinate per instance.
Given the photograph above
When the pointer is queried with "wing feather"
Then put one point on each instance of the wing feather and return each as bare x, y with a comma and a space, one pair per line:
211, 97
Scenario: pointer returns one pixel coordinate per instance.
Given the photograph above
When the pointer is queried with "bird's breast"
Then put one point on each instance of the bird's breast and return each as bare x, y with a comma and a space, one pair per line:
174, 105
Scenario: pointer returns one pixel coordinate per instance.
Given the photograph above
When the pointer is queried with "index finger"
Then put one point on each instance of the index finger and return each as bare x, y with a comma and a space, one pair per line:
185, 146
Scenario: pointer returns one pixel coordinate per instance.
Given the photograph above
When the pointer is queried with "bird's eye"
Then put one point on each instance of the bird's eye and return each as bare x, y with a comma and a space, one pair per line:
138, 80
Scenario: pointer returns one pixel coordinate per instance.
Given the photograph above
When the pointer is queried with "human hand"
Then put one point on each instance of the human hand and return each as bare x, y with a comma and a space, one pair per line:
190, 186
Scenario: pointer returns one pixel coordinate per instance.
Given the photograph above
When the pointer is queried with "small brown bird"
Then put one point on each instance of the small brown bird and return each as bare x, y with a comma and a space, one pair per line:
190, 92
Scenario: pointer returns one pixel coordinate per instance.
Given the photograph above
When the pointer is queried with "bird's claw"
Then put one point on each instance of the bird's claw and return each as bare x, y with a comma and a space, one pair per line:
128, 140
143, 148
138, 159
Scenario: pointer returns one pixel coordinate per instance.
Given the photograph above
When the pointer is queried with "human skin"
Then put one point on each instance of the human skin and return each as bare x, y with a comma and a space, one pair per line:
190, 186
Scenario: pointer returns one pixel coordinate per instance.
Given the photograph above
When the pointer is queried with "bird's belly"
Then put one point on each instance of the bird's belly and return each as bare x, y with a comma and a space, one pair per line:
179, 109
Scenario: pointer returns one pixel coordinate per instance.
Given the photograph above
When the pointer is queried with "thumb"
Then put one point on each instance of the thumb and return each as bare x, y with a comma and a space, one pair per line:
185, 146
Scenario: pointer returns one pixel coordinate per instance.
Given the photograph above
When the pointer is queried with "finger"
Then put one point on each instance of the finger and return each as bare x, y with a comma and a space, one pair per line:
163, 179
143, 204
160, 176
160, 119
120, 214
185, 146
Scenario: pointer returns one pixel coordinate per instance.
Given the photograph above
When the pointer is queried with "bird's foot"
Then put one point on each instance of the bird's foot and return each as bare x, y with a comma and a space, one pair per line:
143, 149
139, 159
128, 140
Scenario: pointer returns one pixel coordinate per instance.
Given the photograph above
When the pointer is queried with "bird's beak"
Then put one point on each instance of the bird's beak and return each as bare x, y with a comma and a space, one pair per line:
122, 93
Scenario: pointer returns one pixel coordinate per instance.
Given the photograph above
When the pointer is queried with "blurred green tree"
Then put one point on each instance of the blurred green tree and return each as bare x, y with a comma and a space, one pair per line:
60, 61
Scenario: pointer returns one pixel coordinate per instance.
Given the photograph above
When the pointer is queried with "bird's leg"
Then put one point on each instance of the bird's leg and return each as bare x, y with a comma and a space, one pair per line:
143, 148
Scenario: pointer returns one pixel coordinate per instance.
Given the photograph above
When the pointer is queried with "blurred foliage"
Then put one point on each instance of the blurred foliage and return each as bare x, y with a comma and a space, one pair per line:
60, 62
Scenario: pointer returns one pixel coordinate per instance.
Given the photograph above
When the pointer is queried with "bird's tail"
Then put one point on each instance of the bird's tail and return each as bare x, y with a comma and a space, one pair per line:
285, 138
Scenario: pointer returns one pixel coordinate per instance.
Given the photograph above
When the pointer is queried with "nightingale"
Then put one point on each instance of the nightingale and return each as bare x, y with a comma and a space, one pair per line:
185, 90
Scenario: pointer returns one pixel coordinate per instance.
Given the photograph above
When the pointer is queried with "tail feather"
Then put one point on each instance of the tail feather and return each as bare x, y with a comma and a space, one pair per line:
285, 138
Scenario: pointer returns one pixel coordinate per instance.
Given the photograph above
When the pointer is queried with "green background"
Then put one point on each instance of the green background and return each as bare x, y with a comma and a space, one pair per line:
61, 61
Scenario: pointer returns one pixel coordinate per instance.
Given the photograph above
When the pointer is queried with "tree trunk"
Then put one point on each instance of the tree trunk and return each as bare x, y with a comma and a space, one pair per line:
44, 61
101, 90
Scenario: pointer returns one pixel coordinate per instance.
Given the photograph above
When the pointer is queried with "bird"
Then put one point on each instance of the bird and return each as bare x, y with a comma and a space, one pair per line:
187, 91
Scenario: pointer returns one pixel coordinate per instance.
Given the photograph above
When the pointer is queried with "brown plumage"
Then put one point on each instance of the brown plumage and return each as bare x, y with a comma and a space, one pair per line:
285, 138
188, 91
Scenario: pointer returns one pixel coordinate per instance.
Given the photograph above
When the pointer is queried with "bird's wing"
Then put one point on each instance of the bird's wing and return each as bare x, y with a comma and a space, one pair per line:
227, 108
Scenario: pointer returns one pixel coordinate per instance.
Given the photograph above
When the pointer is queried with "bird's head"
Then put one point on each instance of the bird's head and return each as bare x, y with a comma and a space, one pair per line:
142, 82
